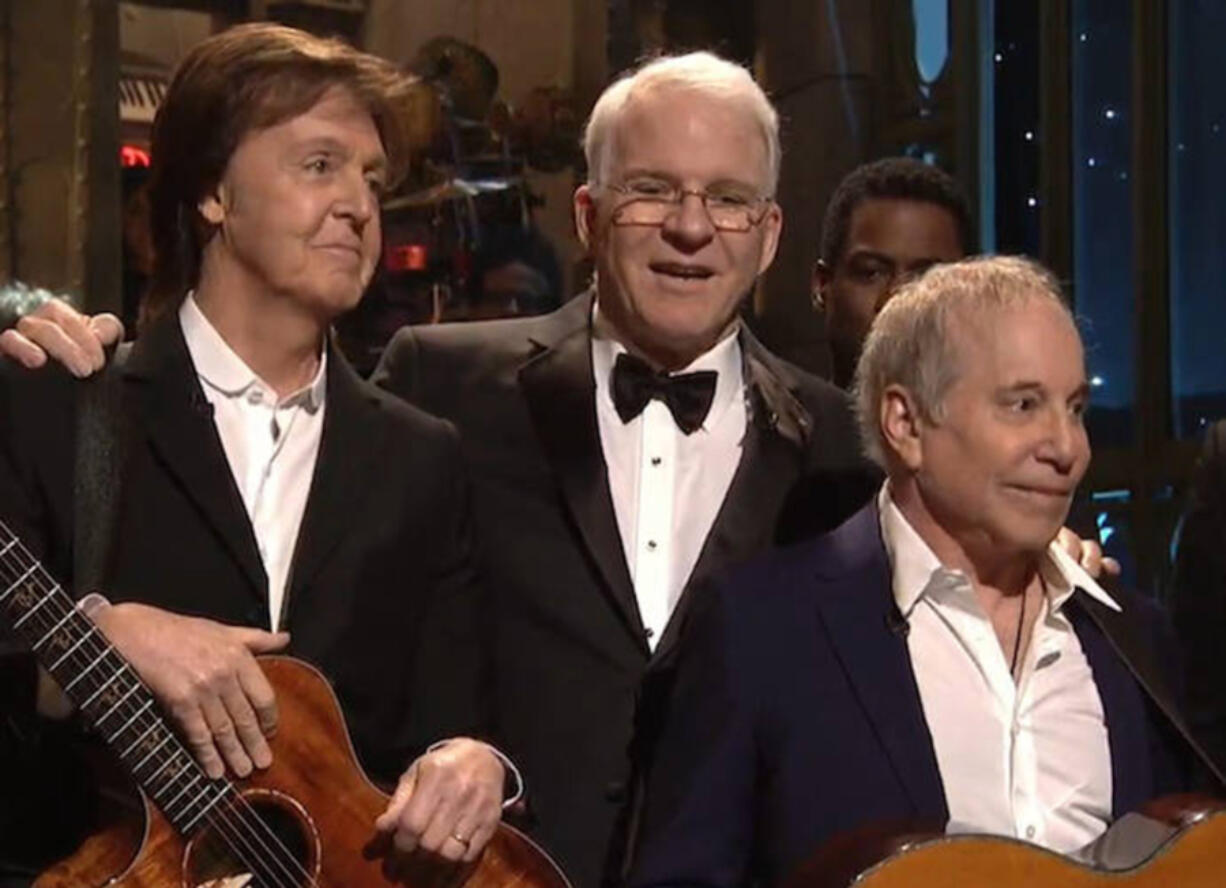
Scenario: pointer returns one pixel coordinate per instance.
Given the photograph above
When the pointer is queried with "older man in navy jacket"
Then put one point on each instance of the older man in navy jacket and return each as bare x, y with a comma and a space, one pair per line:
936, 656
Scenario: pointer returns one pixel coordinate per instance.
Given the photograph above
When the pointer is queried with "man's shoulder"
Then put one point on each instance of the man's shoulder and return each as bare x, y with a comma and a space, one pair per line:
405, 419
800, 572
492, 339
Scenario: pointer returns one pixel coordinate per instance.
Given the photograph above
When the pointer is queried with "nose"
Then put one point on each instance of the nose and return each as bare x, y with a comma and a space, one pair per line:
1066, 441
689, 225
356, 202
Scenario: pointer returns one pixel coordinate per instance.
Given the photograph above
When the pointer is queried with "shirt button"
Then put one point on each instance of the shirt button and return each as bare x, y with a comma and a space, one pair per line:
655, 460
1030, 832
651, 545
254, 396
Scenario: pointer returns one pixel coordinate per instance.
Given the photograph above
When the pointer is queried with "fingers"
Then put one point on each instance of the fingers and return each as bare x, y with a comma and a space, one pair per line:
246, 724
225, 736
455, 804
389, 820
56, 344
260, 700
107, 328
20, 349
65, 335
259, 641
199, 737
1111, 566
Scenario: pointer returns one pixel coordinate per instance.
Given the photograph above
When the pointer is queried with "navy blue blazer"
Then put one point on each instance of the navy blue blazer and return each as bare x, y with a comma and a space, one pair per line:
796, 715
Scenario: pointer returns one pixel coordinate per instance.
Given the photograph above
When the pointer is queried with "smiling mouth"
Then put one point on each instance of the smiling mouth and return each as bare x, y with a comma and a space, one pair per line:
679, 271
1045, 492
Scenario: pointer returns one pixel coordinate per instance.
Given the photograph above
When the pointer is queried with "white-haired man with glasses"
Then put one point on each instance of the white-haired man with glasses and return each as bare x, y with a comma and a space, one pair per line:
634, 442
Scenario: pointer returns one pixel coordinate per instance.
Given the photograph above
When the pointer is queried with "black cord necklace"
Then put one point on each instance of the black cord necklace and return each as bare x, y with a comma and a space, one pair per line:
1017, 642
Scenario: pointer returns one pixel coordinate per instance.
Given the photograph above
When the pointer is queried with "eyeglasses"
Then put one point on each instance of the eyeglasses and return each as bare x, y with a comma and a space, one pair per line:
652, 201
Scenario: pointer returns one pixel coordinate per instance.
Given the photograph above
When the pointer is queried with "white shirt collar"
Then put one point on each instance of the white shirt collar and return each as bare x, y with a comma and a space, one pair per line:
222, 370
724, 358
914, 564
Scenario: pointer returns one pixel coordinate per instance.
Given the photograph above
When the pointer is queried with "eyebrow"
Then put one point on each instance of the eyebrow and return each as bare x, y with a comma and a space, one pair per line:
1081, 391
647, 173
334, 146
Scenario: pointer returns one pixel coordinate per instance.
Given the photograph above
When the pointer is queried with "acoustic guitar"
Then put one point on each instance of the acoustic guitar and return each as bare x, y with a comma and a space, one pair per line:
1176, 842
305, 822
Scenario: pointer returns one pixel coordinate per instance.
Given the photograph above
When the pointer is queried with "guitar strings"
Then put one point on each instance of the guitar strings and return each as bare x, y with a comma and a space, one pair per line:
234, 814
235, 805
57, 612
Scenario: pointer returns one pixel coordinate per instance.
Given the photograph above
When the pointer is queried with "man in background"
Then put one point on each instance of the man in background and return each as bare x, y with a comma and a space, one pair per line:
888, 221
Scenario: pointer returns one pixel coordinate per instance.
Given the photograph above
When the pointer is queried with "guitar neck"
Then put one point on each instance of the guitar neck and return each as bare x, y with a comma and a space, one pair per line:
106, 690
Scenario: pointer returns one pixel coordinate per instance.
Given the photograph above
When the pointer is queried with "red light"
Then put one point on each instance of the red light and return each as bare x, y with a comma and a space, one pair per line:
406, 257
132, 156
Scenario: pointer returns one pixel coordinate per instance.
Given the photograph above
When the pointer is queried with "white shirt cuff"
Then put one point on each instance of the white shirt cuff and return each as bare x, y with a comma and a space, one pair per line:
506, 763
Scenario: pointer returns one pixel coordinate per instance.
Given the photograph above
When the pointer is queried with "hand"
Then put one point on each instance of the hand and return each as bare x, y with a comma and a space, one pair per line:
448, 802
1089, 554
206, 676
57, 330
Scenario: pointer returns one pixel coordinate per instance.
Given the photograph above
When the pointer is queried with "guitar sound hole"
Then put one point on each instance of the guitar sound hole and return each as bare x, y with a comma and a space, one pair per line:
264, 841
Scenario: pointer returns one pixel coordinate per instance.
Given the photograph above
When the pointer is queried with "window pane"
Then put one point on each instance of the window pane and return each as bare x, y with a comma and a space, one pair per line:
1016, 145
1102, 211
1197, 146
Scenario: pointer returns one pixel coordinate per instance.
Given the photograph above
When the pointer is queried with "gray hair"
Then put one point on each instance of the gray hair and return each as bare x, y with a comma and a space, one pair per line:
910, 344
699, 72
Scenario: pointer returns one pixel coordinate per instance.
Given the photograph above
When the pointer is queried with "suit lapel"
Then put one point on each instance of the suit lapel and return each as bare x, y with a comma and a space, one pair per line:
342, 477
855, 606
560, 392
178, 420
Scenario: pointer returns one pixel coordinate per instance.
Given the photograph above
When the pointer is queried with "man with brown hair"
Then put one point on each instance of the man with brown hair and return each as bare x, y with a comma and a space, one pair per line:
270, 499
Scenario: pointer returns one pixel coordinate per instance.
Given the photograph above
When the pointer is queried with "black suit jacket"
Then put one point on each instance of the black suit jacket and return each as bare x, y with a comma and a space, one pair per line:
382, 595
570, 651
797, 715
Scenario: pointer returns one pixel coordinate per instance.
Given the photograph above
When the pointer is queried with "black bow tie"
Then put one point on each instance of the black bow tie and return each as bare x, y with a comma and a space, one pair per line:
687, 395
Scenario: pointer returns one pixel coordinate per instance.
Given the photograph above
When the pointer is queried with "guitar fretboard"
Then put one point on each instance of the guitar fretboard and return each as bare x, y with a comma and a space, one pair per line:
105, 689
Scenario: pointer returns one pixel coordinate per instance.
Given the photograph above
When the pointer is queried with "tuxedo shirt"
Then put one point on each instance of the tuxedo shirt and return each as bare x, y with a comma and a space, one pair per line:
667, 486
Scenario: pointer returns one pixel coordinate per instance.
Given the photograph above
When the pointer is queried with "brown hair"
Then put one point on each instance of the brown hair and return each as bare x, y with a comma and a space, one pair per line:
248, 77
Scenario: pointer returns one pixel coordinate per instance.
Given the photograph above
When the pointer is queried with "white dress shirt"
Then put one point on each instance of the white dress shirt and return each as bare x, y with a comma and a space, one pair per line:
271, 443
667, 486
1028, 759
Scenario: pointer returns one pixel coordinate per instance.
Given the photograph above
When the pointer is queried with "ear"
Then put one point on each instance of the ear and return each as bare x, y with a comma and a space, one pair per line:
772, 225
585, 215
819, 281
212, 206
901, 427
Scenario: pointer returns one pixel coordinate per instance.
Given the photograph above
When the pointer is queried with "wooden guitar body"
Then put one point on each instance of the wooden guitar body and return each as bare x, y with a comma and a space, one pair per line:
316, 813
1194, 856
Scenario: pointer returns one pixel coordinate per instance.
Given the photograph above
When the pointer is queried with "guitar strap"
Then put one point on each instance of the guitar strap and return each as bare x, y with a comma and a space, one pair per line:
1139, 658
97, 477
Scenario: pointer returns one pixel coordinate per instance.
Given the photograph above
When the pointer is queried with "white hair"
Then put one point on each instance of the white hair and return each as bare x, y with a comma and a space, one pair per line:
911, 342
699, 72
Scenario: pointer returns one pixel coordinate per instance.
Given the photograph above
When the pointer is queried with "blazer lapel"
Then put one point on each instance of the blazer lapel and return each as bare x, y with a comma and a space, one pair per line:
560, 392
173, 412
342, 476
858, 612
